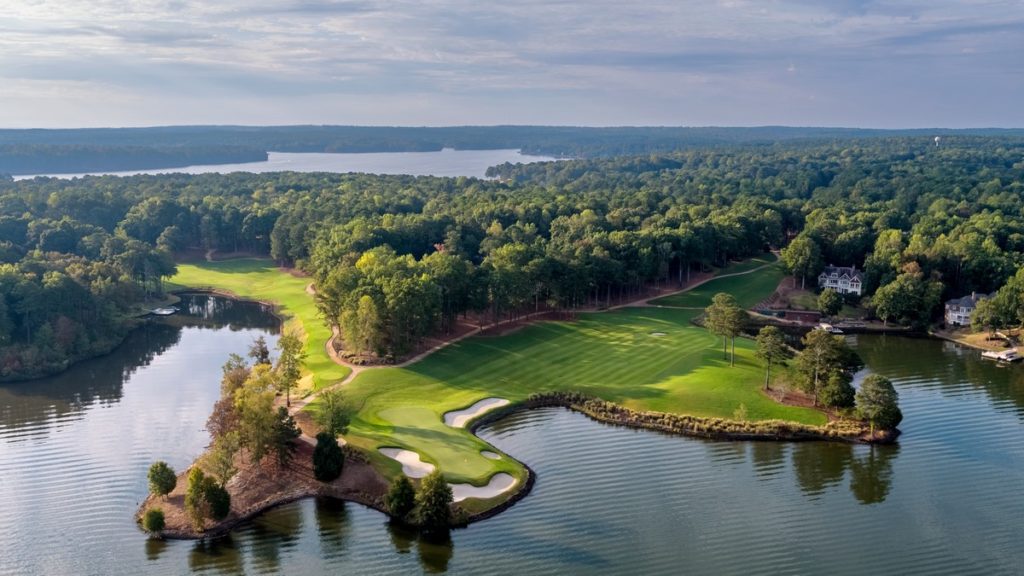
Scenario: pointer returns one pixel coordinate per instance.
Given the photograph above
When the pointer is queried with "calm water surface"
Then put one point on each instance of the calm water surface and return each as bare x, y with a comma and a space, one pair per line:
446, 162
947, 500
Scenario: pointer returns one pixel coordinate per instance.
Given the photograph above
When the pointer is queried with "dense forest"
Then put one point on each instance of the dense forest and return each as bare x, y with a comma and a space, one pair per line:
396, 258
115, 149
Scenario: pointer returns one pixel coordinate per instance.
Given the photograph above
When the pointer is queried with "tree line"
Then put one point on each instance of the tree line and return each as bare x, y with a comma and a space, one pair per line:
396, 258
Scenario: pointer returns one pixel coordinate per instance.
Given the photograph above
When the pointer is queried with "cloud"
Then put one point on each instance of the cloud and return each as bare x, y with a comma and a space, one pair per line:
868, 63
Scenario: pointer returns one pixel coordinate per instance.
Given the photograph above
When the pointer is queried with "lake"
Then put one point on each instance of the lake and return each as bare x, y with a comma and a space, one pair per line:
447, 162
946, 500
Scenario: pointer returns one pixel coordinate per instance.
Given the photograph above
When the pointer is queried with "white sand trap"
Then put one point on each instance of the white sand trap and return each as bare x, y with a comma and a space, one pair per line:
658, 334
459, 418
412, 466
499, 484
491, 455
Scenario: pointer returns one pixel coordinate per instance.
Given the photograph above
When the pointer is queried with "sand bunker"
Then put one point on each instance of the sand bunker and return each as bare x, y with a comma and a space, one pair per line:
657, 334
412, 466
489, 454
459, 418
499, 484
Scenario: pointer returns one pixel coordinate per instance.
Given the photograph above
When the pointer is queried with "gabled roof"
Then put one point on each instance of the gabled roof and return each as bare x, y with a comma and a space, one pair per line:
849, 272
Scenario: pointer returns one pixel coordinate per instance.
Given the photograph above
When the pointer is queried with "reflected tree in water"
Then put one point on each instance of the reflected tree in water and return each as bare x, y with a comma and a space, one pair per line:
871, 474
818, 466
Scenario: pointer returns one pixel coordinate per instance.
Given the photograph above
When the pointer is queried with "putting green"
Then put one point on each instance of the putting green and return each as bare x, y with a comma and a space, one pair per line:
260, 279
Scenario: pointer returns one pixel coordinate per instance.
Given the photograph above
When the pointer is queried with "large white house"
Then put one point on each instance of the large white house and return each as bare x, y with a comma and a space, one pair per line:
959, 310
842, 279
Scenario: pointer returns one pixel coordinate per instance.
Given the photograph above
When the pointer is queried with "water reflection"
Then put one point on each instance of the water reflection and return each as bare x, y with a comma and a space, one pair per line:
210, 310
98, 381
871, 474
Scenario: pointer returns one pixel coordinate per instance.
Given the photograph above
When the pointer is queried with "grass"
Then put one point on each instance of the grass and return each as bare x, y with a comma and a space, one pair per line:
642, 358
260, 279
613, 355
748, 289
748, 264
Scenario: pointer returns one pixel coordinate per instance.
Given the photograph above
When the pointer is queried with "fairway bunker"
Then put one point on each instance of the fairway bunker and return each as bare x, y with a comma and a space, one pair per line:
459, 418
498, 485
491, 455
412, 466
658, 334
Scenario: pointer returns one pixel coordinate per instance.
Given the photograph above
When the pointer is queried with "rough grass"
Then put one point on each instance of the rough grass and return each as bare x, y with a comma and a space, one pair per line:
748, 289
260, 279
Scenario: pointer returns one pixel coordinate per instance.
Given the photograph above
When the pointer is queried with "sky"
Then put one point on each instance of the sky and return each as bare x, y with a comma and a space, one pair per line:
885, 64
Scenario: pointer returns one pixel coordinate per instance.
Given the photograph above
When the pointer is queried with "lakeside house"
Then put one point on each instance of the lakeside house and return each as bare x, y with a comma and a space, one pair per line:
959, 310
842, 279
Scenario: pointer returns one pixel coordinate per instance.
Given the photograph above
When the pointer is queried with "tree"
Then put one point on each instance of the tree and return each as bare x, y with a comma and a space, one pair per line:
205, 498
153, 520
289, 364
771, 347
878, 403
433, 502
802, 258
328, 458
909, 299
220, 459
254, 407
837, 391
725, 318
196, 506
332, 413
162, 479
217, 498
821, 355
830, 302
401, 498
259, 352
284, 435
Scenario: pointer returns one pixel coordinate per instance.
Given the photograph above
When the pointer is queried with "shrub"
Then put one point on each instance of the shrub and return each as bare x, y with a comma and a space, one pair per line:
328, 459
433, 503
153, 520
401, 497
162, 478
218, 498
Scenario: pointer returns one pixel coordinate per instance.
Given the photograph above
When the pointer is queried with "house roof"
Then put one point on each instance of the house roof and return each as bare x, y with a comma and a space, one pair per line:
969, 301
849, 272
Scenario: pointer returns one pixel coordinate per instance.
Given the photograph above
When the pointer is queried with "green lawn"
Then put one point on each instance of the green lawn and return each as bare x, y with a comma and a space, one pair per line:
749, 289
611, 355
260, 279
748, 264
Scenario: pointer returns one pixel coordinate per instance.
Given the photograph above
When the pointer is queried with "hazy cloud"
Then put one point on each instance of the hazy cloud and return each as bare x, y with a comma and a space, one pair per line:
845, 62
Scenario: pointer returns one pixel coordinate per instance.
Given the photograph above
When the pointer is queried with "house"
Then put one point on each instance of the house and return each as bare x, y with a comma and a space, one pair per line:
959, 310
842, 279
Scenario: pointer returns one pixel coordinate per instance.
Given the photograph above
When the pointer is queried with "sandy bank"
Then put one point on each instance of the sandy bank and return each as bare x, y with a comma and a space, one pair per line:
459, 418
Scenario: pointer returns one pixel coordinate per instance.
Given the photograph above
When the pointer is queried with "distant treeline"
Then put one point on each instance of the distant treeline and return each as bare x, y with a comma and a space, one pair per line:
114, 149
17, 159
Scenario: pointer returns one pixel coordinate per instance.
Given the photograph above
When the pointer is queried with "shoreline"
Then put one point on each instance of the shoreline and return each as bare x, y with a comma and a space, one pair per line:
298, 484
296, 487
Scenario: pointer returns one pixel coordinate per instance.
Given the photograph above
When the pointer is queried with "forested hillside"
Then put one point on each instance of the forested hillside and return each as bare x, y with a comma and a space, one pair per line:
114, 149
396, 258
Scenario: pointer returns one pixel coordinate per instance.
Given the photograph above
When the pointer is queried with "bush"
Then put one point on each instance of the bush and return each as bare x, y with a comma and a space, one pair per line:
433, 503
153, 520
162, 478
218, 498
401, 498
328, 459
